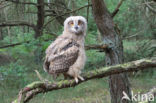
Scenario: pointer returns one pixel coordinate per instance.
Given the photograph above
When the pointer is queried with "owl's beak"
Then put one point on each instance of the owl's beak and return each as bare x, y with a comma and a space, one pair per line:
76, 27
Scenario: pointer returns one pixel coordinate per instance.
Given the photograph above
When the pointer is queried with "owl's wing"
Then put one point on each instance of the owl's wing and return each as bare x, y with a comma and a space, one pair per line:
64, 56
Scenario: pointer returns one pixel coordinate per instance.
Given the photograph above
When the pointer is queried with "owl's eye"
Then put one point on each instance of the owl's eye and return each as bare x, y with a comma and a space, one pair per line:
79, 22
71, 23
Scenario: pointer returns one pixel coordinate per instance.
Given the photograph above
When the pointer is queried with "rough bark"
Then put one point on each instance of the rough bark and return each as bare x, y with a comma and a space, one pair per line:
31, 90
117, 83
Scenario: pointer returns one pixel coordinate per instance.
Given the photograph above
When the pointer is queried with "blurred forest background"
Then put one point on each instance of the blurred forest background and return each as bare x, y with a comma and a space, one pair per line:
27, 29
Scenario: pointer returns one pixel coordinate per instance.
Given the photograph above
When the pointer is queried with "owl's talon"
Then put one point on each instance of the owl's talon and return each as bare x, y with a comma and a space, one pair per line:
76, 80
81, 78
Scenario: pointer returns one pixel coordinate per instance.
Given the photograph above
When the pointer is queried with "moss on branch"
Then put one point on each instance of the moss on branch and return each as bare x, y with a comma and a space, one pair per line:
41, 87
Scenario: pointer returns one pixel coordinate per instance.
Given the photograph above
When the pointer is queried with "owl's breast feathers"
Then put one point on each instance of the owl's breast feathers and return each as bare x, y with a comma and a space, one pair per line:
60, 55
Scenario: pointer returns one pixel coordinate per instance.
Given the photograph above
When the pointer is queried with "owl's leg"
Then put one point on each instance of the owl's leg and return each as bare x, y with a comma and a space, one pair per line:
74, 72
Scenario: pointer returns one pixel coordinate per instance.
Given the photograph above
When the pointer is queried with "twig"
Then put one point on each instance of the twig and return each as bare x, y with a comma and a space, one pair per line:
147, 4
12, 45
20, 43
100, 47
117, 8
138, 33
39, 76
16, 1
5, 5
66, 14
17, 23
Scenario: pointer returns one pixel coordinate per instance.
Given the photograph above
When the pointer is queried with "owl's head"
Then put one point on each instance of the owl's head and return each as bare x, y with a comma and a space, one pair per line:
76, 25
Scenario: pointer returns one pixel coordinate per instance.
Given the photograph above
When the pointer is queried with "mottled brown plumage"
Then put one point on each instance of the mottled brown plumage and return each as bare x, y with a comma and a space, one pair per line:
60, 63
66, 55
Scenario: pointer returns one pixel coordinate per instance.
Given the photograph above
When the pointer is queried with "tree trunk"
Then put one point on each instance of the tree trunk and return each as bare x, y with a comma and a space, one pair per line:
114, 55
40, 20
39, 30
6, 19
1, 35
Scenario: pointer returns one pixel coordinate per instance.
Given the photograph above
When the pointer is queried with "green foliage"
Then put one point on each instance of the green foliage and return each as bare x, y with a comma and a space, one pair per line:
138, 50
14, 74
134, 50
94, 60
134, 19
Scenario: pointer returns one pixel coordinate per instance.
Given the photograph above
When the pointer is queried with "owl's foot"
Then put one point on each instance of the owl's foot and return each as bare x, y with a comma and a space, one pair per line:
77, 79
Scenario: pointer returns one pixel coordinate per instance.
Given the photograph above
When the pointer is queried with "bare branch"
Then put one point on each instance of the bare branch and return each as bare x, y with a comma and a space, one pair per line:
37, 87
6, 5
16, 23
31, 12
55, 4
87, 47
117, 8
147, 4
18, 2
12, 45
20, 43
96, 47
136, 34
66, 14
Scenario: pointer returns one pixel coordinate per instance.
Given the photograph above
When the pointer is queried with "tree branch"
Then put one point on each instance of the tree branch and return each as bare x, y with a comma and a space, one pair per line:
100, 47
5, 6
16, 23
66, 14
31, 3
117, 8
37, 87
87, 47
12, 45
18, 2
20, 43
147, 4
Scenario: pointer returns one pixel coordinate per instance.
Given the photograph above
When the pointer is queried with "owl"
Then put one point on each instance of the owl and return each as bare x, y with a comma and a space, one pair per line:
66, 55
